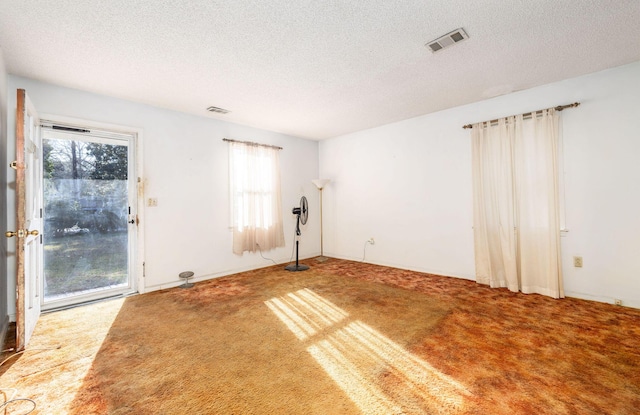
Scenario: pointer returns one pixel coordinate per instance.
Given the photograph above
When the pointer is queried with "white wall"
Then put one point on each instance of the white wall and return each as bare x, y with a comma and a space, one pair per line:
4, 276
186, 169
408, 185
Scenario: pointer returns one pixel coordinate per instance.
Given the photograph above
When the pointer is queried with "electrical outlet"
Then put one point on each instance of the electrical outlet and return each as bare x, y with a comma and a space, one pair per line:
617, 302
577, 261
152, 202
372, 241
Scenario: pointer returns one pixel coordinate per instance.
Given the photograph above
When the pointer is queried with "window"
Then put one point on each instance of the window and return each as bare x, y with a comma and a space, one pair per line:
256, 208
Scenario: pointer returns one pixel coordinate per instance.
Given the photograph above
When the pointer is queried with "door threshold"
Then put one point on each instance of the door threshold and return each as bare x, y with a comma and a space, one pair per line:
88, 302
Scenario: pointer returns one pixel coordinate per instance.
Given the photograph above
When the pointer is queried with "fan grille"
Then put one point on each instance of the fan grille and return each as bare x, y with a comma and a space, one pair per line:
304, 210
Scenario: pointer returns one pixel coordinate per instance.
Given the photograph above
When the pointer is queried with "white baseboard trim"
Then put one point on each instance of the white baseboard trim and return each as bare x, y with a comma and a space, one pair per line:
602, 299
213, 275
206, 277
410, 268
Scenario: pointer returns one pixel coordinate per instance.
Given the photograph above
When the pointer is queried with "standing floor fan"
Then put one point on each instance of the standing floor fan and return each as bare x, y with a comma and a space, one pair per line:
303, 214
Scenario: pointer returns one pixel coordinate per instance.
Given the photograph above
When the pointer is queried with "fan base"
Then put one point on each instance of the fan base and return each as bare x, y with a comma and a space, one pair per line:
294, 267
322, 259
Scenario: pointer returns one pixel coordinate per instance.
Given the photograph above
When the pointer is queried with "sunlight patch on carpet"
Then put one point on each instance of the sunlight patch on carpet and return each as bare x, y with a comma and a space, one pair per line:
377, 374
306, 313
64, 365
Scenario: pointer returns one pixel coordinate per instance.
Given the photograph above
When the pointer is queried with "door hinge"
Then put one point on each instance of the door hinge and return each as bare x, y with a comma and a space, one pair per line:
14, 165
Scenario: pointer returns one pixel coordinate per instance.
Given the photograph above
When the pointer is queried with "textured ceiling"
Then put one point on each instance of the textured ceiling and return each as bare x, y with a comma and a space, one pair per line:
313, 69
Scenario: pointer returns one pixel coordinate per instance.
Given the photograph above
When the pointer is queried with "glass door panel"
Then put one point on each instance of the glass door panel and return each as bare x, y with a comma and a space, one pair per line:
86, 217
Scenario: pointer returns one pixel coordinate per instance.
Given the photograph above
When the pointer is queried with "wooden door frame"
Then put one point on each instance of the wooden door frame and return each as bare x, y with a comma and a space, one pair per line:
20, 219
24, 219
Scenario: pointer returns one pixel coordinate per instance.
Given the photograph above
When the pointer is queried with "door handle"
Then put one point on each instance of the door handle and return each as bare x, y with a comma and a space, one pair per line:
21, 233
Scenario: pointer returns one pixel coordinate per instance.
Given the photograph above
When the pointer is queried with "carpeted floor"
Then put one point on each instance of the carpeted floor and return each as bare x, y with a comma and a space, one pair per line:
341, 338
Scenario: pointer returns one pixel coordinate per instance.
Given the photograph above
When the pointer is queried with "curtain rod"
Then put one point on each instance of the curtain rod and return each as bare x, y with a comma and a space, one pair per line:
251, 143
528, 114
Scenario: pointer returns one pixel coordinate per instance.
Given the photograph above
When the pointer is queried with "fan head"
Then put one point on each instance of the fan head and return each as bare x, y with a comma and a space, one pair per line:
302, 213
302, 210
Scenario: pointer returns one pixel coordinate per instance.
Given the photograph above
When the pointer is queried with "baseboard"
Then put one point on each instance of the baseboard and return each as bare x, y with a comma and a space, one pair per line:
173, 284
224, 273
602, 299
411, 268
569, 294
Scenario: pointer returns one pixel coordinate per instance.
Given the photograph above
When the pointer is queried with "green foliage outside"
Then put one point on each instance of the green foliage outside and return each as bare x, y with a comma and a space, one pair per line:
68, 159
85, 185
86, 212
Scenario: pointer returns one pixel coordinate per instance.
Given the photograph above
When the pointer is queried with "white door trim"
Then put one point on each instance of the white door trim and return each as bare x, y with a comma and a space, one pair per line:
138, 281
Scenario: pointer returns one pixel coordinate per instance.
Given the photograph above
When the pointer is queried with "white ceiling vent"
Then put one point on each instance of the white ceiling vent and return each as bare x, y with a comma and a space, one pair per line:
218, 110
447, 40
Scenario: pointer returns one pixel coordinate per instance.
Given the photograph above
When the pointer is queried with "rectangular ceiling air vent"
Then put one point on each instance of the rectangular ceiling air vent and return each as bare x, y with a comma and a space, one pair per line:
218, 110
447, 40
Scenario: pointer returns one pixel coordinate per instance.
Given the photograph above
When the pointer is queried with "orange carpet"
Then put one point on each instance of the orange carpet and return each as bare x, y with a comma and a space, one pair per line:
341, 338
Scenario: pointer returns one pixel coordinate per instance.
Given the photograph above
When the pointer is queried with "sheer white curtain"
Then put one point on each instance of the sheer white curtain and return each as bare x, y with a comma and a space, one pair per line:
256, 207
516, 204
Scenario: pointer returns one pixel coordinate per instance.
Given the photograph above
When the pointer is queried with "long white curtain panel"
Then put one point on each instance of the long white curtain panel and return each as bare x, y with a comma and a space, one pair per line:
516, 203
255, 196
